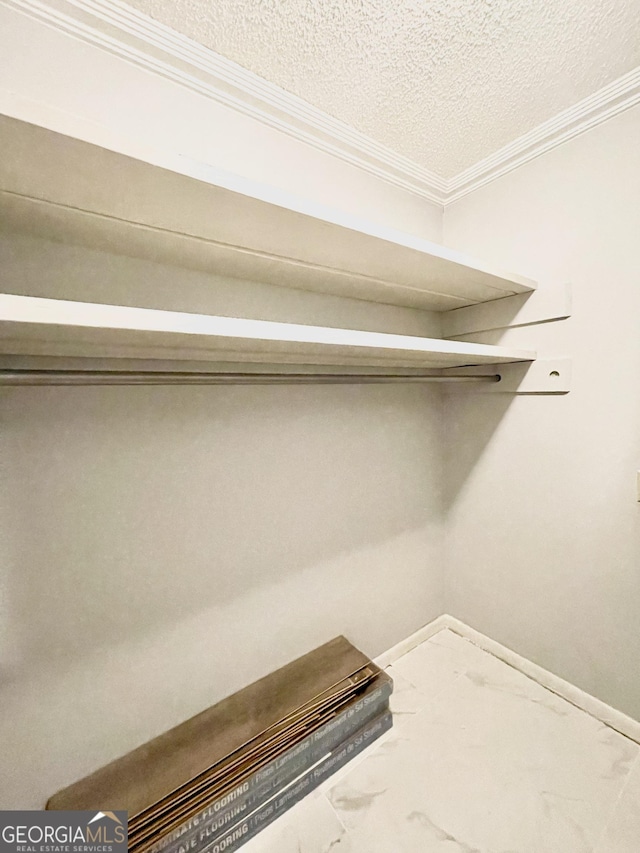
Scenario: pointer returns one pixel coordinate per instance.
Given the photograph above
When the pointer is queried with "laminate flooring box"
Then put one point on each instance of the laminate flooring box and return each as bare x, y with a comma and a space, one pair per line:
235, 762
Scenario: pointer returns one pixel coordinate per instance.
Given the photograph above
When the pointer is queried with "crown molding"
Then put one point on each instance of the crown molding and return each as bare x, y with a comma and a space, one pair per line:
131, 35
597, 108
123, 31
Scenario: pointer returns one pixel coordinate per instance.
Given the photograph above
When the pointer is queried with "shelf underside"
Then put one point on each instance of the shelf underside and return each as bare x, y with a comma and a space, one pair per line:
54, 327
172, 210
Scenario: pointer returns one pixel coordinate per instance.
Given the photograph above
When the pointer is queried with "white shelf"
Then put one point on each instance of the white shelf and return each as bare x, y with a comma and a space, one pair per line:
150, 203
55, 327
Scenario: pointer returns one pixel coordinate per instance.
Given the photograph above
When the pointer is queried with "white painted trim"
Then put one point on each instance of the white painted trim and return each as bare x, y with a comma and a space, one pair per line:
420, 636
542, 376
595, 707
585, 701
123, 31
607, 102
544, 304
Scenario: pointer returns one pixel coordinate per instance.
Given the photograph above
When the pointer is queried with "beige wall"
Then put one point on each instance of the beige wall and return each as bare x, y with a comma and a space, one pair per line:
162, 547
544, 527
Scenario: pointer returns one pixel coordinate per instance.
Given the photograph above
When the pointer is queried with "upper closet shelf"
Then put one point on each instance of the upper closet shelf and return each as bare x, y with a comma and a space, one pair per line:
56, 327
153, 204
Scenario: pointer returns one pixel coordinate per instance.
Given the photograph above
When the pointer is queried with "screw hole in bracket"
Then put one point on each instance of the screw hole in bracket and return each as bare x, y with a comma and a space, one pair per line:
554, 373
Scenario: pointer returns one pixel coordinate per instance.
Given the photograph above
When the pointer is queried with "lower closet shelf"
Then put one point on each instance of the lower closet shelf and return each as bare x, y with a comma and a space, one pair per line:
55, 327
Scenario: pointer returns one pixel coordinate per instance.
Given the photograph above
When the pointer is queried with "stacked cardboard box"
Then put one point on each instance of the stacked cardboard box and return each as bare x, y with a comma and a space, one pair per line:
212, 782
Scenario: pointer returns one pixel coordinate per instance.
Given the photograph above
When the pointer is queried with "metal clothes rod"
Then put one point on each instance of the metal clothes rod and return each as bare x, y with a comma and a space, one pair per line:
25, 376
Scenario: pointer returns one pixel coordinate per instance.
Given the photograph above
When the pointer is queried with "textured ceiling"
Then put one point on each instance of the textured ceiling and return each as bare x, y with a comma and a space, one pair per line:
443, 82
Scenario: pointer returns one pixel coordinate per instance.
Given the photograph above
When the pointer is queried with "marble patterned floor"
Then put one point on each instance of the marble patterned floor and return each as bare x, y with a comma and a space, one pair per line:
481, 759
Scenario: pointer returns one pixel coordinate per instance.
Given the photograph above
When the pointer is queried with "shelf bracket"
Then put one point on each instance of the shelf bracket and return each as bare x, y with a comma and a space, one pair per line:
543, 376
539, 306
